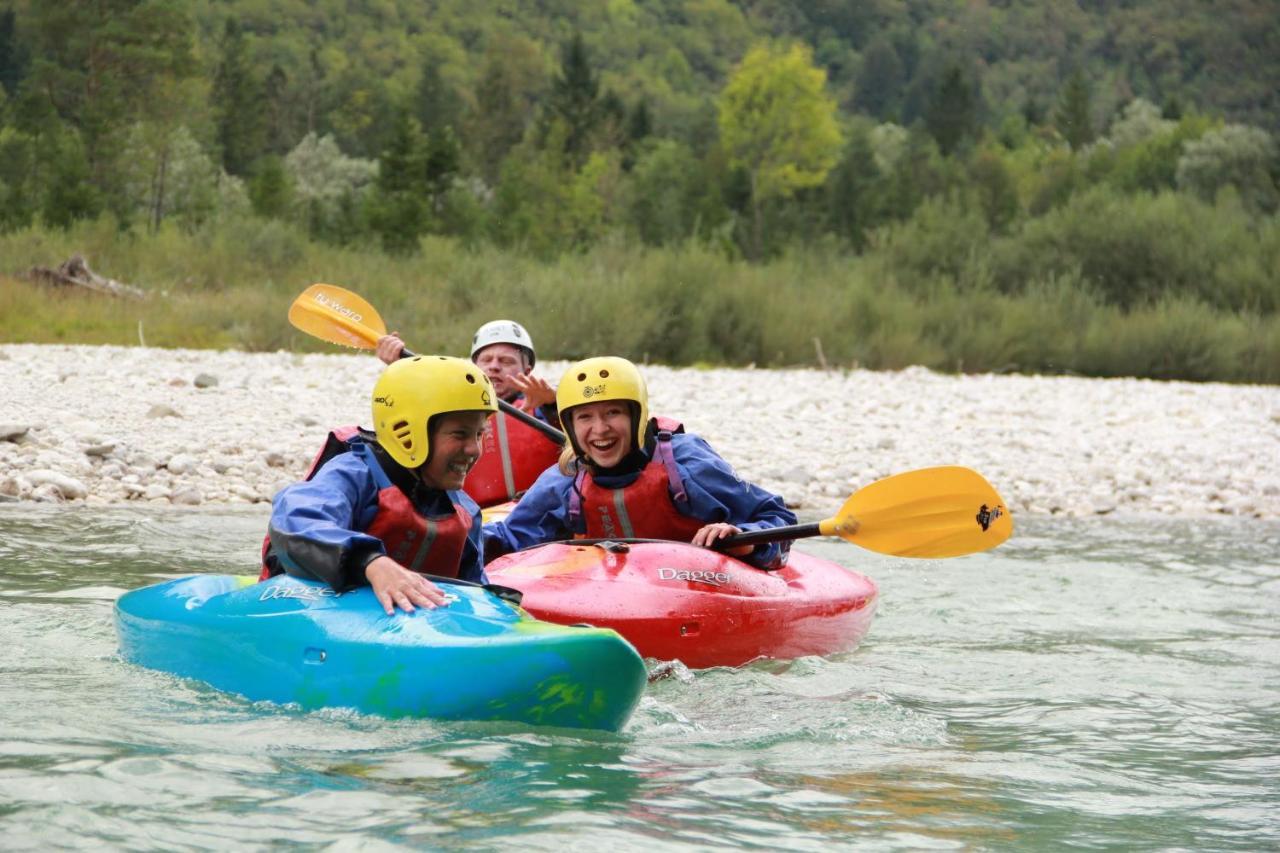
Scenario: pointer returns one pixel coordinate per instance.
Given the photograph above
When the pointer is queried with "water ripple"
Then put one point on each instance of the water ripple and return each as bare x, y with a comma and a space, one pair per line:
1091, 684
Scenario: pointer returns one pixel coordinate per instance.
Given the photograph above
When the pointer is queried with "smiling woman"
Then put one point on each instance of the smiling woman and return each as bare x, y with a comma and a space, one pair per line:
628, 475
382, 510
455, 442
601, 431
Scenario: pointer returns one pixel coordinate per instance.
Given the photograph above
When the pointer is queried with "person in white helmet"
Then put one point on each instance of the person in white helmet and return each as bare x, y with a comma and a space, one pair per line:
504, 350
514, 452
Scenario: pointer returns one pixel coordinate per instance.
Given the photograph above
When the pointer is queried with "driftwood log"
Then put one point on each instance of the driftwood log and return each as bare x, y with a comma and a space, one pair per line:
75, 272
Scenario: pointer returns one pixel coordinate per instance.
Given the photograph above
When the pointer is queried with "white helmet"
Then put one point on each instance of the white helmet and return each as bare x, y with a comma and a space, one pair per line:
503, 332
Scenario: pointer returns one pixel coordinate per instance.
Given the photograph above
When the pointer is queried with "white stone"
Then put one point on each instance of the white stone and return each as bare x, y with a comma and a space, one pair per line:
68, 488
187, 496
181, 463
47, 493
1046, 443
155, 491
245, 492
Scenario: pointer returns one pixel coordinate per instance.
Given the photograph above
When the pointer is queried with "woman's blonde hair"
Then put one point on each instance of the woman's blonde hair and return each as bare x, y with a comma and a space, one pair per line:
569, 461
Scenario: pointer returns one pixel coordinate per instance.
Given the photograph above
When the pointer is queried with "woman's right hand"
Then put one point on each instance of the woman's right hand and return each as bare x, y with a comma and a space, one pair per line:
389, 348
395, 586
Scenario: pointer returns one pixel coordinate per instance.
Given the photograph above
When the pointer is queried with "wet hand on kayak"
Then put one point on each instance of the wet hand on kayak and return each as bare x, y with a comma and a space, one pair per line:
395, 586
712, 533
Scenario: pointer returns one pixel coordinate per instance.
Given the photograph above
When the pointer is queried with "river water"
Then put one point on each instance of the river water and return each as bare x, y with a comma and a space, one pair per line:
1088, 684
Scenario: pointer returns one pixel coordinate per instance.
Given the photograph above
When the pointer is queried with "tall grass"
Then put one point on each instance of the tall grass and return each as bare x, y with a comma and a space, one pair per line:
932, 293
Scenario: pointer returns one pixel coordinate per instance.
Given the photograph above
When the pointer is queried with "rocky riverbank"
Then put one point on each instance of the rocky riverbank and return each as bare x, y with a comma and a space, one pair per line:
191, 427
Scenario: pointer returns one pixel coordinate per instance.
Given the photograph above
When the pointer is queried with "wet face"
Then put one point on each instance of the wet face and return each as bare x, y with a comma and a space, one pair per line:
455, 447
603, 431
500, 362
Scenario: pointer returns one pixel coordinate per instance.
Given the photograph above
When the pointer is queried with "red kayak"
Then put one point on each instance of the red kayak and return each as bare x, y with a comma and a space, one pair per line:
677, 601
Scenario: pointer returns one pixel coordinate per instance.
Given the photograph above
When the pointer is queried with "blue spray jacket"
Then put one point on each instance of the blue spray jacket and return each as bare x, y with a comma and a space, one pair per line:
317, 526
715, 494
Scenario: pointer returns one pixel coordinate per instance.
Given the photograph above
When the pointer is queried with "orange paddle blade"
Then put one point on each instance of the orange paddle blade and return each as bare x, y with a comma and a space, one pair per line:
933, 512
337, 315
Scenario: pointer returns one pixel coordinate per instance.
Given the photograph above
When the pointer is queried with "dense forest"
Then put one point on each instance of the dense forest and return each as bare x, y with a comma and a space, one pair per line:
1124, 152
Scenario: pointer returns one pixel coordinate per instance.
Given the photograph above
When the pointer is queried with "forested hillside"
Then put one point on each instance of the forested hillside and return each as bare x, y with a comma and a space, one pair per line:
1122, 150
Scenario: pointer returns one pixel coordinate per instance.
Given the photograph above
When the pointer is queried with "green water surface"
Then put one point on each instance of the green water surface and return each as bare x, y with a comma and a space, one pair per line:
1097, 684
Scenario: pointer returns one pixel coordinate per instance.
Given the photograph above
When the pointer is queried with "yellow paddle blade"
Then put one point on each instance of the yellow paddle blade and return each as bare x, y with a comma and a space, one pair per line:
337, 315
933, 512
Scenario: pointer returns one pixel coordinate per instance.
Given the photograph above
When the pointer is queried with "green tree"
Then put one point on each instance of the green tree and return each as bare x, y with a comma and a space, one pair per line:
365, 111
778, 124
442, 161
166, 174
880, 80
327, 183
995, 189
851, 204
639, 126
237, 103
920, 172
99, 64
269, 189
951, 116
666, 192
505, 96
1072, 115
18, 188
400, 207
436, 104
575, 100
1147, 148
639, 122
68, 193
545, 207
1238, 156
13, 59
278, 132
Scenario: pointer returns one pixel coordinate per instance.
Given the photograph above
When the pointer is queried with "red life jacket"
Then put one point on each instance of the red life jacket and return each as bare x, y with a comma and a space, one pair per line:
513, 455
431, 545
645, 509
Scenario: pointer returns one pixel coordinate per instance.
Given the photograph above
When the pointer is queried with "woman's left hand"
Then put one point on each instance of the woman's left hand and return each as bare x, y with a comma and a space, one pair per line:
708, 536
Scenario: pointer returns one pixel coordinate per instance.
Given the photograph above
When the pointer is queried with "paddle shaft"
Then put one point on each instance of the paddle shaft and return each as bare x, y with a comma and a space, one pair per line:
546, 429
769, 534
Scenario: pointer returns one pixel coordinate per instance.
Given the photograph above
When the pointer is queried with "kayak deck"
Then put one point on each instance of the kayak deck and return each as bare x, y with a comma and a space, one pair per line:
676, 601
289, 640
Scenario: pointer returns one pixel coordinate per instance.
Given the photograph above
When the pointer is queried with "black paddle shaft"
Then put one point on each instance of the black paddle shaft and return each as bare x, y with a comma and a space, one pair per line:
546, 429
769, 534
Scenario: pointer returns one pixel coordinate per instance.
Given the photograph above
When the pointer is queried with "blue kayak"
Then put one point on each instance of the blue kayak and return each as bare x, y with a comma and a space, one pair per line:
289, 640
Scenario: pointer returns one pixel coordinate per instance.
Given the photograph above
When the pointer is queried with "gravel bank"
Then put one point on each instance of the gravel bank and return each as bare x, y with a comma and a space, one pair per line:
132, 424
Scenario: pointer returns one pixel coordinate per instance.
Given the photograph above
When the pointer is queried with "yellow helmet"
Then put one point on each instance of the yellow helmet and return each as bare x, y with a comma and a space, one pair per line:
412, 391
594, 380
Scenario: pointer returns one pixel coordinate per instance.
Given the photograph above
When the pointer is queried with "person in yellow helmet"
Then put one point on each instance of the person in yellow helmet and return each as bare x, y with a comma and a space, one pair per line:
386, 508
627, 475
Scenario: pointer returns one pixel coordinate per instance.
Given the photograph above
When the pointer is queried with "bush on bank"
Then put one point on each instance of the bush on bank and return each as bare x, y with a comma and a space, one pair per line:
1163, 286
